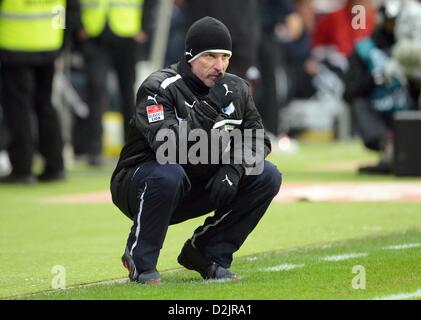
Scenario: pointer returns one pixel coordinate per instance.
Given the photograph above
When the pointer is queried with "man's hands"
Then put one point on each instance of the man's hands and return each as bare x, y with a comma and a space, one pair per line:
223, 186
222, 93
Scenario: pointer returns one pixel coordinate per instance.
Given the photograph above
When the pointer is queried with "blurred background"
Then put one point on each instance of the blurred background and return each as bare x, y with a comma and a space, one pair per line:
320, 70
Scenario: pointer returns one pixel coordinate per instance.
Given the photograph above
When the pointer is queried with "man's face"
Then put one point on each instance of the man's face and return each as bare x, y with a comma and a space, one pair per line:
208, 66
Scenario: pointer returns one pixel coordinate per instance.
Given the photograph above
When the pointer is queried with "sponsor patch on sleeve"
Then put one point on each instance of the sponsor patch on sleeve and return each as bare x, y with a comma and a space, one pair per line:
155, 113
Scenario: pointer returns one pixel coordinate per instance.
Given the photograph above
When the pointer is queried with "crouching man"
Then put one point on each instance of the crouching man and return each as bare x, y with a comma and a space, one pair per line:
194, 95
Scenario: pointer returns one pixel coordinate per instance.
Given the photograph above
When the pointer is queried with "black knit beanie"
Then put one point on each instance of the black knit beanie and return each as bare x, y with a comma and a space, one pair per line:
207, 35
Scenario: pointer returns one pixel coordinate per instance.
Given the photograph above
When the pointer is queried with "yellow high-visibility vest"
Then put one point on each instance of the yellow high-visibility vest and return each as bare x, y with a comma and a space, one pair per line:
123, 16
35, 25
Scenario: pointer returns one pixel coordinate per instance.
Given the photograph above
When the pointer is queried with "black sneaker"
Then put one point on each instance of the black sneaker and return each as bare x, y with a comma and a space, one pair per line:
151, 277
146, 277
52, 176
18, 179
217, 272
380, 168
192, 259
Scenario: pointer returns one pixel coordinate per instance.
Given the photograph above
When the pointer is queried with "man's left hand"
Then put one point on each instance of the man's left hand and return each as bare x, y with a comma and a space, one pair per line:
223, 92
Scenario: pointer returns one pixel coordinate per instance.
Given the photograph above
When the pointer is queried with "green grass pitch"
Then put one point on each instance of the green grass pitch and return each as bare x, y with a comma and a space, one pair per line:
300, 250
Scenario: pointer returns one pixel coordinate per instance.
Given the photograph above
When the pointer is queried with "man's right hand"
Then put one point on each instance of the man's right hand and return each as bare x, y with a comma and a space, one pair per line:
223, 186
222, 93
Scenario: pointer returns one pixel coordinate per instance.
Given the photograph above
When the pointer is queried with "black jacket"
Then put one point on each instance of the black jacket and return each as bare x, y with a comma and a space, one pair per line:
176, 89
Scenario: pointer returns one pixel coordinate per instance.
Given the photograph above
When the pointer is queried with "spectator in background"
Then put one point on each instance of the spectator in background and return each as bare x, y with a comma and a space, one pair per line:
301, 65
280, 24
318, 60
334, 39
179, 21
376, 88
29, 46
108, 35
336, 29
408, 47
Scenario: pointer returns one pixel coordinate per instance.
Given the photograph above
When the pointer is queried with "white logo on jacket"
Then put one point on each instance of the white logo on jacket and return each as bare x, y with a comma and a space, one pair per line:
153, 98
189, 105
226, 88
228, 180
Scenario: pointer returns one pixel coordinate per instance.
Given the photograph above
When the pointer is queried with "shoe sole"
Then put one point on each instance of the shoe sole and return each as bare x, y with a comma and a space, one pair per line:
128, 263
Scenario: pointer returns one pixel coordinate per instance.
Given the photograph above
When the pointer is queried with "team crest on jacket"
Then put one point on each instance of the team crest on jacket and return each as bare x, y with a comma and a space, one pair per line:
229, 109
155, 113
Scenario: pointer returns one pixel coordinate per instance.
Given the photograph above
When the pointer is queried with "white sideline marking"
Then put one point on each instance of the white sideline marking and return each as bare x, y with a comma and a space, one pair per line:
401, 296
345, 256
210, 281
284, 267
251, 258
351, 192
100, 283
403, 246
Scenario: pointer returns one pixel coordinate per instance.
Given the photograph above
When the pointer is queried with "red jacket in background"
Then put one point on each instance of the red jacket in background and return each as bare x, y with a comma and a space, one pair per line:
336, 29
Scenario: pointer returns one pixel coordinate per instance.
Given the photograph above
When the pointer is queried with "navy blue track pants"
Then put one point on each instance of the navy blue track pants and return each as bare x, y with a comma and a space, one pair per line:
161, 195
